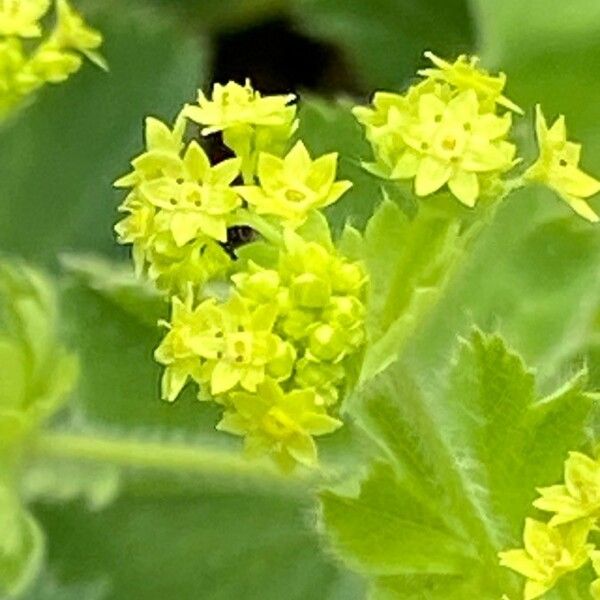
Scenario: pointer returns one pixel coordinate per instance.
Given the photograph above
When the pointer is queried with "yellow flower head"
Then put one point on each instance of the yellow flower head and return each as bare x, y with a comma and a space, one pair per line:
279, 424
21, 18
232, 105
549, 553
25, 68
453, 143
465, 74
579, 497
225, 346
251, 123
293, 186
319, 296
178, 209
446, 130
558, 167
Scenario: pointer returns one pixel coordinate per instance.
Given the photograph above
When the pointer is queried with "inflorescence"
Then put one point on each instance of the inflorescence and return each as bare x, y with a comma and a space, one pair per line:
273, 346
274, 330
27, 64
561, 545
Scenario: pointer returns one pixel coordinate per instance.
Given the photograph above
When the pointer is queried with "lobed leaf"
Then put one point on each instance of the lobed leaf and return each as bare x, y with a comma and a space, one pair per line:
465, 458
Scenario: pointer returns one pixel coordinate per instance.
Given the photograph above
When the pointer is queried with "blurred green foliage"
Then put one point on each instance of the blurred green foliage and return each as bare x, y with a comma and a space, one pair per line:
534, 275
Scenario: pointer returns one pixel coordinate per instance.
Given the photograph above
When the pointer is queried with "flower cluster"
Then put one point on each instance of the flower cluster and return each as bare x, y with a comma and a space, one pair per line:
561, 546
452, 129
22, 70
447, 129
266, 330
250, 123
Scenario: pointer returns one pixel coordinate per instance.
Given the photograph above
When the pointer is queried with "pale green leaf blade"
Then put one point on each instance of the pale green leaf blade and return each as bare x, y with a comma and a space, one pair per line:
385, 530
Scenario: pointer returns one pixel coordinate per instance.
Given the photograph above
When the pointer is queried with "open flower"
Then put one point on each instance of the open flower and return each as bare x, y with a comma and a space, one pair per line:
178, 209
466, 74
558, 167
279, 424
224, 345
453, 143
549, 553
233, 105
293, 186
199, 201
251, 123
579, 497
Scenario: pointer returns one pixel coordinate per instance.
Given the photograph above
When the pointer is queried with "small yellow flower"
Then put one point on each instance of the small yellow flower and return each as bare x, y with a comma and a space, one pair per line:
251, 123
279, 424
549, 553
21, 18
200, 201
25, 68
178, 209
73, 33
293, 186
232, 105
579, 497
227, 346
453, 143
558, 167
465, 74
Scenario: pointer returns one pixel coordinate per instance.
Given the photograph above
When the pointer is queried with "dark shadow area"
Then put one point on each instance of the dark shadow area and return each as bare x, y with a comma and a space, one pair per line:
279, 59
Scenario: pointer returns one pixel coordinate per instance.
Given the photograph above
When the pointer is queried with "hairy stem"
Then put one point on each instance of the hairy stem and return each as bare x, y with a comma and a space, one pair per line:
165, 456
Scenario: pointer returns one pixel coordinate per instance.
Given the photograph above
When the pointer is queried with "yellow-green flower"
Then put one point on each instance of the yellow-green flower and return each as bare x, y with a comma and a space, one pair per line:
24, 67
549, 553
21, 18
73, 33
279, 424
579, 497
293, 186
558, 167
386, 121
466, 74
200, 201
233, 105
224, 345
445, 130
251, 123
181, 362
453, 143
319, 296
178, 209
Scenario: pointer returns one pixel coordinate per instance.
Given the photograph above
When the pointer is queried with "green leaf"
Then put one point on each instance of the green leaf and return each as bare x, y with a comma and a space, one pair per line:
117, 283
386, 530
21, 545
468, 455
239, 545
68, 148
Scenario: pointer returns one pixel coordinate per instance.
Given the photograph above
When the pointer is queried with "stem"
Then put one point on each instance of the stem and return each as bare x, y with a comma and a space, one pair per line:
174, 458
